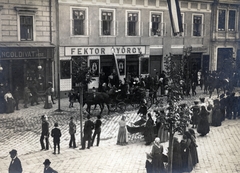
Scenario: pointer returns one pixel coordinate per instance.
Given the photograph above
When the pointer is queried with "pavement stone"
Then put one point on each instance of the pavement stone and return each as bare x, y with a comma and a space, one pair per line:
218, 151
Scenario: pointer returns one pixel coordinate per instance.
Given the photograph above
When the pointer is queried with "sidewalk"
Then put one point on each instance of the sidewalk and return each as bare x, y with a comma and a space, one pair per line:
218, 151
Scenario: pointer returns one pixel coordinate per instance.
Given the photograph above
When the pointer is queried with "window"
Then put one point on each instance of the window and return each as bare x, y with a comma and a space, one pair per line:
156, 24
107, 18
231, 21
132, 24
197, 25
26, 28
221, 20
78, 17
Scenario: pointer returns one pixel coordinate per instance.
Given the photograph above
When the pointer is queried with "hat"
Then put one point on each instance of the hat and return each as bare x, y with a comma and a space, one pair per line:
55, 124
13, 151
196, 101
43, 116
88, 117
46, 162
71, 118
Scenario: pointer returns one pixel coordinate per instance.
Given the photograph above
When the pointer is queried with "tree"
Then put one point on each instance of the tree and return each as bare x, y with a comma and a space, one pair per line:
178, 115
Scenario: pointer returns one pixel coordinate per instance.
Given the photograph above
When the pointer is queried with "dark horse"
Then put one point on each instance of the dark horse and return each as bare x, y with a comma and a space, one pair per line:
218, 84
99, 98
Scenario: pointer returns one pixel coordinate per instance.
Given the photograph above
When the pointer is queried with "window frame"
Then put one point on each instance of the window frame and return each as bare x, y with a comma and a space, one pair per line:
235, 21
85, 27
138, 28
225, 17
201, 25
161, 27
113, 25
20, 28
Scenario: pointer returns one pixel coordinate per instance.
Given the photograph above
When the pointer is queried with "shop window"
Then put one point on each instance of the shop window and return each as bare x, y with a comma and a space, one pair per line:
231, 21
156, 29
107, 22
221, 20
65, 69
197, 25
26, 28
79, 22
132, 24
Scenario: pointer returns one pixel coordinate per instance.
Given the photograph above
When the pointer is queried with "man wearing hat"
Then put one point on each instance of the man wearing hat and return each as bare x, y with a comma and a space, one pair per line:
88, 127
45, 133
56, 134
72, 131
47, 168
15, 165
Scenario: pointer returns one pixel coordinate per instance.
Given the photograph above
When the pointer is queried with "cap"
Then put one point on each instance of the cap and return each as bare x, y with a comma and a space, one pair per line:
43, 116
55, 124
46, 162
13, 151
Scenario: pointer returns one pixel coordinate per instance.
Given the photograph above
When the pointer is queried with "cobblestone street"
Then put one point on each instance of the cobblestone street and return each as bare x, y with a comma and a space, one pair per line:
218, 151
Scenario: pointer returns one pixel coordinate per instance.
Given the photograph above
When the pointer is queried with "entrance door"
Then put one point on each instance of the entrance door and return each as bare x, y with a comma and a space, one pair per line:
18, 74
132, 62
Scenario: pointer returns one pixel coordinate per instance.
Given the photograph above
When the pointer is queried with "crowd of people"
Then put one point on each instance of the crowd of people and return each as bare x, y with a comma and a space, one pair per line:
9, 101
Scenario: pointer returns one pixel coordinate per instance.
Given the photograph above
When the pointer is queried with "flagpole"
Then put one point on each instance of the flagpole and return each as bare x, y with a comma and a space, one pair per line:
115, 58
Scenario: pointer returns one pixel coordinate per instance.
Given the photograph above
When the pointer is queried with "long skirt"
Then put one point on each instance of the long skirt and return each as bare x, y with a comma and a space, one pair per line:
48, 102
122, 136
163, 134
10, 105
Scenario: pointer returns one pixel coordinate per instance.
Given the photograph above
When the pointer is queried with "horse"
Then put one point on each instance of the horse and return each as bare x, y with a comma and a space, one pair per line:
99, 98
218, 84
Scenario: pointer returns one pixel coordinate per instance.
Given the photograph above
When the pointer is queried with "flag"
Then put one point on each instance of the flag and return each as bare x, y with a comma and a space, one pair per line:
175, 16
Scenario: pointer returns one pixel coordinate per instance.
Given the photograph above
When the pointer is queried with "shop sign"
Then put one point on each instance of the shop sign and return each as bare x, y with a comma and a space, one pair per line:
125, 50
26, 52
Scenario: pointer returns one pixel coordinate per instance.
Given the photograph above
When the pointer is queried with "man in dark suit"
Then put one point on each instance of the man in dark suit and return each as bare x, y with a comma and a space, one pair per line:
56, 134
88, 127
47, 168
97, 130
72, 131
15, 165
45, 133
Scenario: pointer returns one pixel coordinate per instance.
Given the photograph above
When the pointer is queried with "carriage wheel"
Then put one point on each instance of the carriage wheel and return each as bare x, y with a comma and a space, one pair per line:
120, 107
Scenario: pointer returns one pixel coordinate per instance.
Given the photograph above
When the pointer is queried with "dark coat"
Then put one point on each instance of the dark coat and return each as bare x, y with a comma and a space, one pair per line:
56, 134
49, 170
15, 167
203, 125
45, 128
88, 127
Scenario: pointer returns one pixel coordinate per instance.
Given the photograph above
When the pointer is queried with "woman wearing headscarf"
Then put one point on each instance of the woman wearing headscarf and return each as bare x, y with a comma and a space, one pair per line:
177, 157
157, 157
149, 130
193, 147
122, 132
187, 165
203, 125
216, 114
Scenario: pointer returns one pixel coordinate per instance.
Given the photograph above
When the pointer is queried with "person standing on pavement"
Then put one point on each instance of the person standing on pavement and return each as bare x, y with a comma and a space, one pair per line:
122, 132
203, 125
72, 131
47, 168
97, 130
10, 105
44, 134
56, 134
16, 96
26, 95
71, 96
88, 127
15, 165
52, 92
149, 131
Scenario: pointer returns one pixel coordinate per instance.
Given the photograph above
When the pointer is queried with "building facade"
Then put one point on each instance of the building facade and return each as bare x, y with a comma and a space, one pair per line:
26, 44
138, 32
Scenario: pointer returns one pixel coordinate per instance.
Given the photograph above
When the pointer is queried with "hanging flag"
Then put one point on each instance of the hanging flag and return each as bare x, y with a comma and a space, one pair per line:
116, 63
175, 16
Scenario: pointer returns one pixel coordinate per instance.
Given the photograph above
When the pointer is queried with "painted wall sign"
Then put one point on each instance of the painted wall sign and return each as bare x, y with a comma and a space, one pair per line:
26, 52
74, 51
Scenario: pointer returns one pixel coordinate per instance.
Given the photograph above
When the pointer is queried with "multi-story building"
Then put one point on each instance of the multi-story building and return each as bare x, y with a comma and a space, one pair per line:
137, 31
225, 48
26, 43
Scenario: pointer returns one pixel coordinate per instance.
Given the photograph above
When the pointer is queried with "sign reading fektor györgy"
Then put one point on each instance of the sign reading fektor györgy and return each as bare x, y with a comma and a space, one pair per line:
85, 51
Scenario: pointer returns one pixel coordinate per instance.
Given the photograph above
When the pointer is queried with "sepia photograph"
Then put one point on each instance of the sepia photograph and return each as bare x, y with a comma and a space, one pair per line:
119, 86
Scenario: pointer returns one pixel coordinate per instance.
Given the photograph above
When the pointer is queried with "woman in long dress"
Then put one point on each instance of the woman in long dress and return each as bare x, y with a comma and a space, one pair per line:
48, 101
216, 114
156, 155
149, 130
193, 147
122, 132
187, 165
177, 157
162, 131
9, 102
203, 125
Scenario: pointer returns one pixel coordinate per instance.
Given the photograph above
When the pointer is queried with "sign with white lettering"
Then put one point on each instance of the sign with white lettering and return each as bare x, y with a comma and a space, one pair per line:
125, 50
26, 52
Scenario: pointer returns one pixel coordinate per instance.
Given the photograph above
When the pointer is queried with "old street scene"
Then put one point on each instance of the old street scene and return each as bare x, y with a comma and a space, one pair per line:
119, 86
